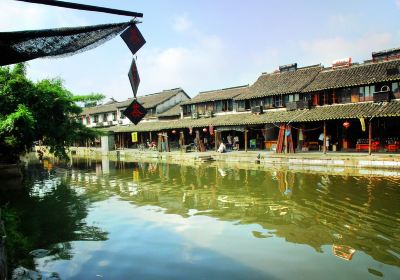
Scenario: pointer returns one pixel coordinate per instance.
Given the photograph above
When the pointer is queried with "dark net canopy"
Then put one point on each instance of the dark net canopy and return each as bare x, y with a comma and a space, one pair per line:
27, 45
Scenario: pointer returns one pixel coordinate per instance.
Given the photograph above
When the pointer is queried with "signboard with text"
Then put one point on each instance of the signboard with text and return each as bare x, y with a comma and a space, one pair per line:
135, 112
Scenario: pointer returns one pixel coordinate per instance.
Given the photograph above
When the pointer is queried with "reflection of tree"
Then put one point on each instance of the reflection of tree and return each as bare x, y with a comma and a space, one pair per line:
45, 220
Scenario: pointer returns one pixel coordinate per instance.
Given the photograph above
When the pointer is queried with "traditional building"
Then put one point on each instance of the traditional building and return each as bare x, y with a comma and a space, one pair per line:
110, 113
353, 106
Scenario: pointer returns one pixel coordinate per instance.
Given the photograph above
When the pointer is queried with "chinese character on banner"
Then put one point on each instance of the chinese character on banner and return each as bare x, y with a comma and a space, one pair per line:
135, 112
134, 77
134, 137
133, 38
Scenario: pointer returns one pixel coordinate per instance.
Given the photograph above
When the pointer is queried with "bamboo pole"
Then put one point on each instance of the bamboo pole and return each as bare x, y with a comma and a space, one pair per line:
84, 7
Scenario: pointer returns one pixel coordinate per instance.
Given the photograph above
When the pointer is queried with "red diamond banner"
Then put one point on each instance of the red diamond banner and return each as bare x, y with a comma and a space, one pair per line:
135, 112
134, 77
133, 38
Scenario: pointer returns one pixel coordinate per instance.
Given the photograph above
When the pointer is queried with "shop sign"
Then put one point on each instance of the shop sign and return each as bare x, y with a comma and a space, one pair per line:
134, 137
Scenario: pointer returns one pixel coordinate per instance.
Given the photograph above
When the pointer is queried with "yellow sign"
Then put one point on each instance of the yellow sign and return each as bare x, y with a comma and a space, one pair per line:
362, 121
134, 137
135, 175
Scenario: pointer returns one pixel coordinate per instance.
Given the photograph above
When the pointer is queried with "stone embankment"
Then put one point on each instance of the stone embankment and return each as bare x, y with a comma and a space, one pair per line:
360, 163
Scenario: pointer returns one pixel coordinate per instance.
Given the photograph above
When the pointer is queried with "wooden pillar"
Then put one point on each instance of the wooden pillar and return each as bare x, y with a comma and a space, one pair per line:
370, 137
324, 143
245, 140
216, 139
151, 138
159, 142
166, 142
141, 137
198, 140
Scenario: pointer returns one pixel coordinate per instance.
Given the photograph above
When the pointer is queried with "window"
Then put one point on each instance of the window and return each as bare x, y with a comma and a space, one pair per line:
105, 117
218, 106
201, 109
278, 101
121, 116
95, 118
87, 120
187, 110
294, 97
367, 93
344, 95
114, 116
268, 102
247, 105
396, 90
255, 102
241, 105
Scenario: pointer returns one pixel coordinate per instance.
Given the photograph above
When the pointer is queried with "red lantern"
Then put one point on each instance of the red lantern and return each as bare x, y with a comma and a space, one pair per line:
346, 124
173, 131
204, 129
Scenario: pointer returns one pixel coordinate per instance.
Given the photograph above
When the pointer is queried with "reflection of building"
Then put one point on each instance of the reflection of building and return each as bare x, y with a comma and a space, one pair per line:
343, 252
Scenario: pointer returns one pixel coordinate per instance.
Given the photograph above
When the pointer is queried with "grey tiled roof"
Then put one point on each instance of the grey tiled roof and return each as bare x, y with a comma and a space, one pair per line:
331, 112
281, 83
364, 74
147, 101
219, 94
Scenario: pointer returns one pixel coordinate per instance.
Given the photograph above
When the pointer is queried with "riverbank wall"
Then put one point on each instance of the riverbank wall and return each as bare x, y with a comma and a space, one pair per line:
317, 159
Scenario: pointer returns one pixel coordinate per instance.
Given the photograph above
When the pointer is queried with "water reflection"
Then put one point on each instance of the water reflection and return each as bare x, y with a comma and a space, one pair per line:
348, 213
346, 216
46, 214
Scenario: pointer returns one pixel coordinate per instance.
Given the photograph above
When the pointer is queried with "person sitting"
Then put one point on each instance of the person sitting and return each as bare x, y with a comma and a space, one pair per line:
222, 148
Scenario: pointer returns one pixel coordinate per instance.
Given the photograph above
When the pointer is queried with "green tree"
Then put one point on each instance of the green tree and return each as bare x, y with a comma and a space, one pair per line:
43, 111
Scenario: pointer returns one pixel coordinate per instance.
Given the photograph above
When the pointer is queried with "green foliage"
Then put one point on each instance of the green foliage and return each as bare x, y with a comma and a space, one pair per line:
44, 111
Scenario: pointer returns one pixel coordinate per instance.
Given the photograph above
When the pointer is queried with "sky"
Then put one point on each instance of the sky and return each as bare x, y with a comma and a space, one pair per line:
209, 44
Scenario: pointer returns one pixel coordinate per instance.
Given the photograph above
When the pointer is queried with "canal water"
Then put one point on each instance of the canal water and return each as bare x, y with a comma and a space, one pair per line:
119, 220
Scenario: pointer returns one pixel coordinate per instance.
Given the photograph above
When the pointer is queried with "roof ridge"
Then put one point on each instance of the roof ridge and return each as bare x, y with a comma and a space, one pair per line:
222, 89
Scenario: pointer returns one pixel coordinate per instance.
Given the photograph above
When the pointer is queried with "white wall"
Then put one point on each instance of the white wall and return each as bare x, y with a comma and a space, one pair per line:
171, 102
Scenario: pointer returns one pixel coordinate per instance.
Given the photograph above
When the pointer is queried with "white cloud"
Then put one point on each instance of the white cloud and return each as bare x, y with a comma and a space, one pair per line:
398, 3
183, 67
182, 23
329, 49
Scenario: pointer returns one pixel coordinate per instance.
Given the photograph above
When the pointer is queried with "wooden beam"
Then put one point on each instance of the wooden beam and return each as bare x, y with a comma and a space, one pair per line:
84, 7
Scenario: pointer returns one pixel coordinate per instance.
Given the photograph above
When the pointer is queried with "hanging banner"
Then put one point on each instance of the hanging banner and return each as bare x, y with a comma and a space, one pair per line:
190, 130
362, 121
133, 38
211, 129
134, 137
134, 78
135, 112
